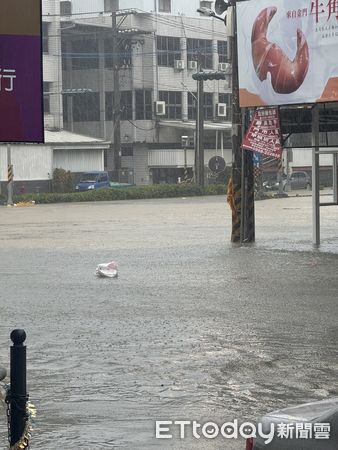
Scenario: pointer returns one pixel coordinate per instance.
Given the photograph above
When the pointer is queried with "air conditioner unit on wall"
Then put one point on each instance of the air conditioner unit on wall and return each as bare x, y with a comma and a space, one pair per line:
192, 65
223, 66
179, 64
221, 109
159, 108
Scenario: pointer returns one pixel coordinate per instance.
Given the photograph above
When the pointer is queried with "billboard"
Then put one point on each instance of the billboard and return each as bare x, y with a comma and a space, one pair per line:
21, 102
288, 52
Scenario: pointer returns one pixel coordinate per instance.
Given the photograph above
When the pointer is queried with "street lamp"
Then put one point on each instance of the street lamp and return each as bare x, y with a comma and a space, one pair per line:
209, 13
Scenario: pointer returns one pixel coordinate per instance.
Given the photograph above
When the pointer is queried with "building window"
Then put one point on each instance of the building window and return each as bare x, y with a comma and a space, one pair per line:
164, 6
207, 102
127, 150
226, 98
46, 97
86, 107
124, 52
85, 54
168, 49
208, 106
173, 104
143, 105
200, 50
222, 48
45, 40
65, 101
126, 104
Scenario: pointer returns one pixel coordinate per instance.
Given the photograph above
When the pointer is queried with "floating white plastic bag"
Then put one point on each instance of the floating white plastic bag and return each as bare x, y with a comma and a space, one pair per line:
108, 270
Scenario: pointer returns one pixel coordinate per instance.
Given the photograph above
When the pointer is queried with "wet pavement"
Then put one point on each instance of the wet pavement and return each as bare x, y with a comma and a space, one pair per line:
192, 329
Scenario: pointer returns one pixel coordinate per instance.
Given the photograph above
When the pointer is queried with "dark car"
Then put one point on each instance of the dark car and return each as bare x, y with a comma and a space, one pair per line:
298, 180
93, 180
273, 184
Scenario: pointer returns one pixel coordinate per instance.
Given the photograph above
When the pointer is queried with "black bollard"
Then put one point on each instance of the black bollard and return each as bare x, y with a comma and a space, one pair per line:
18, 387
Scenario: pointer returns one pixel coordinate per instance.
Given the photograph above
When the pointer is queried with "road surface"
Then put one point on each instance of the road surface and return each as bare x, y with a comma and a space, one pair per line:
194, 328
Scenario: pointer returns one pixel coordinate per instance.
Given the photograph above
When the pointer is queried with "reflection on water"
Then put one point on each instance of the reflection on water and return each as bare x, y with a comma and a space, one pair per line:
186, 333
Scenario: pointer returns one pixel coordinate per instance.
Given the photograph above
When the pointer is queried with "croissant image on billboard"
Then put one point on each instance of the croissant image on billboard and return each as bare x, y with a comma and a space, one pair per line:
287, 52
286, 75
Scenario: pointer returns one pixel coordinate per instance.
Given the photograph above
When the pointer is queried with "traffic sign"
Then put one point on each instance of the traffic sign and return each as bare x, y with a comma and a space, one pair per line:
217, 164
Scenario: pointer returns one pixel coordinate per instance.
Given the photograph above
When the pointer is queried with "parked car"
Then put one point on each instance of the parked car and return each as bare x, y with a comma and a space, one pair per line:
320, 417
273, 184
298, 180
93, 180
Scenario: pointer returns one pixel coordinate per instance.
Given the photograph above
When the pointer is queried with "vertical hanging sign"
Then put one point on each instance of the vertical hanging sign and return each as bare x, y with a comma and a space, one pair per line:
264, 134
21, 93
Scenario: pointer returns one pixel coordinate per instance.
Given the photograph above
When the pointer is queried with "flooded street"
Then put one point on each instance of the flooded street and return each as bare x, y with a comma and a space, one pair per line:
193, 328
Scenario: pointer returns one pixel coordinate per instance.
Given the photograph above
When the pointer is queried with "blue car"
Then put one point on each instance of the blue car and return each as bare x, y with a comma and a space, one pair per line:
93, 180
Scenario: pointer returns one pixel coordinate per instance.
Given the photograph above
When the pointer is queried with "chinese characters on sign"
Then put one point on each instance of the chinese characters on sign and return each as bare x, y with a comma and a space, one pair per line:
327, 8
8, 75
303, 430
316, 8
264, 135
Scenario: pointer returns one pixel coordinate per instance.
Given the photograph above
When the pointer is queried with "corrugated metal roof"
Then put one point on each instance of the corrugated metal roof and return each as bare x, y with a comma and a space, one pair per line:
66, 137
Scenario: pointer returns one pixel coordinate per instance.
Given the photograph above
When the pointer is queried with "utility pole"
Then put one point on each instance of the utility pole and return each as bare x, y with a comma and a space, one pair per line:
199, 156
117, 94
236, 135
315, 177
243, 218
199, 152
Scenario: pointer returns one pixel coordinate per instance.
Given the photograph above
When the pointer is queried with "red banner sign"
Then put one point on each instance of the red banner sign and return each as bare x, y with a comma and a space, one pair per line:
264, 134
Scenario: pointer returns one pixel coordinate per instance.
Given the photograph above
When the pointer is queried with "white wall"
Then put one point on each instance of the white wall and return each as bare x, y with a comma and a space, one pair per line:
303, 158
79, 160
51, 7
52, 70
88, 5
175, 158
30, 162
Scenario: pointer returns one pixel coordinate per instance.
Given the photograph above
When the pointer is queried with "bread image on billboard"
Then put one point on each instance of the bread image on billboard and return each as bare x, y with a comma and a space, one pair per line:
287, 52
286, 75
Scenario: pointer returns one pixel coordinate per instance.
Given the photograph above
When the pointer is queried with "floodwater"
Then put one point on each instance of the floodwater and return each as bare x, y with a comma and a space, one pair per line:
193, 328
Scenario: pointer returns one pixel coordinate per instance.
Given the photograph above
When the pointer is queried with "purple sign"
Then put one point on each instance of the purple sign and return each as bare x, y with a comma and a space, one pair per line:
21, 105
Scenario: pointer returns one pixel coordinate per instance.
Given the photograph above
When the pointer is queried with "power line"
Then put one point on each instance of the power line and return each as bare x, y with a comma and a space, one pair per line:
164, 20
140, 128
106, 13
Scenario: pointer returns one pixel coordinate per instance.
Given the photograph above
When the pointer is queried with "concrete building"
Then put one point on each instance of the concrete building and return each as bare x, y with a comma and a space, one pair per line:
158, 55
174, 7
